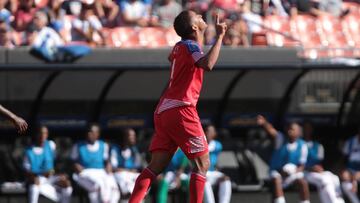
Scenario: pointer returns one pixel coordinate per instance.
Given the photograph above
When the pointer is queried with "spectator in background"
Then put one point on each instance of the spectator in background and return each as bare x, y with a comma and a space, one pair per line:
39, 167
210, 35
236, 35
6, 36
87, 27
108, 12
56, 14
327, 184
174, 176
252, 20
213, 176
126, 162
93, 170
164, 14
42, 35
24, 15
351, 175
5, 14
135, 13
288, 160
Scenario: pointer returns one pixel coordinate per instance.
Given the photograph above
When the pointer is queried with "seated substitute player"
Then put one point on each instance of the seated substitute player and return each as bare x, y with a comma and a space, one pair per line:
93, 171
288, 160
39, 168
174, 177
351, 175
176, 120
213, 176
18, 122
126, 162
327, 184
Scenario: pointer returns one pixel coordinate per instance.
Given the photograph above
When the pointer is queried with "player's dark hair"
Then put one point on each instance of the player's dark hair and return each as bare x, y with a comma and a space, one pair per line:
182, 24
91, 125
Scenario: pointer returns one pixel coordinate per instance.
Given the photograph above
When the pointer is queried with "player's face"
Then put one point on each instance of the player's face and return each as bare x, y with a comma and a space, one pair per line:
94, 134
131, 137
44, 133
198, 22
210, 133
294, 131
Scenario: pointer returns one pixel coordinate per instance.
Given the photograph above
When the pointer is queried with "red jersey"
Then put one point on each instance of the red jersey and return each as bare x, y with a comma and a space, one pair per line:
185, 78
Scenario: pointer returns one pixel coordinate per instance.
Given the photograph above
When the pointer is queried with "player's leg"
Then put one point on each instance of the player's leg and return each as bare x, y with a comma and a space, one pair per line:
323, 186
198, 177
86, 180
64, 187
159, 161
224, 189
304, 190
337, 187
208, 193
349, 186
34, 190
278, 192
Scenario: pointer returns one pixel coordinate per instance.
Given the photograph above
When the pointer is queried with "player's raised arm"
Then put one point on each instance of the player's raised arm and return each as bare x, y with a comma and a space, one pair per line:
19, 122
208, 61
269, 128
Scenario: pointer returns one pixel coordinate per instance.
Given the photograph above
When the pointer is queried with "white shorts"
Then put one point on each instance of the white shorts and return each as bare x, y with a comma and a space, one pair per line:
48, 188
170, 178
94, 179
213, 177
289, 180
126, 180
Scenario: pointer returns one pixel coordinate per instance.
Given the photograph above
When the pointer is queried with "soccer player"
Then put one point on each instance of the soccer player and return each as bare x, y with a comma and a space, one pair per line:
39, 169
327, 184
93, 171
18, 122
126, 162
177, 123
351, 175
288, 160
174, 177
213, 176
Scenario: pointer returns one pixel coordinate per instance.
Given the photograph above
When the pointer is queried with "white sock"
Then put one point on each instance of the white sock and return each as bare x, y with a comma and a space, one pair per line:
279, 200
94, 197
66, 195
208, 193
34, 192
225, 191
347, 187
305, 201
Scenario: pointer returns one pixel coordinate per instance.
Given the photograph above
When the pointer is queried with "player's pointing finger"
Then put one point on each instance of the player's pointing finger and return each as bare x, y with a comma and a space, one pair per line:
217, 19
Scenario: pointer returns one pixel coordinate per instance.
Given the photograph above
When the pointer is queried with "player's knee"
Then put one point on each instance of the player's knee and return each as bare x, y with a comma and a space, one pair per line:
302, 182
224, 178
202, 165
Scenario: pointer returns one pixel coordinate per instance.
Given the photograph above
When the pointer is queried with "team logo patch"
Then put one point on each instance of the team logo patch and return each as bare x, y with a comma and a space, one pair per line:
197, 144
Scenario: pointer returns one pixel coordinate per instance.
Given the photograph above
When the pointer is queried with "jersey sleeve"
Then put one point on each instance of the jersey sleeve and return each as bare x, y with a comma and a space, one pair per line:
74, 153
321, 152
194, 50
346, 148
304, 154
106, 151
279, 140
114, 157
26, 162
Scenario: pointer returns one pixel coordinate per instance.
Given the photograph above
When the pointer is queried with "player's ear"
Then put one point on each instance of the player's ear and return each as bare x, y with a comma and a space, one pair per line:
195, 27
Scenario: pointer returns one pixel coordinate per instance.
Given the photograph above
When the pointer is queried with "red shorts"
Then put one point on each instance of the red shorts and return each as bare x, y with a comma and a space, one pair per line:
179, 127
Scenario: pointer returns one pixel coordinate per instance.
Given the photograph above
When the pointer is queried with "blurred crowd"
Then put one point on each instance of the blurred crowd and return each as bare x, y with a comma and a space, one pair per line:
86, 21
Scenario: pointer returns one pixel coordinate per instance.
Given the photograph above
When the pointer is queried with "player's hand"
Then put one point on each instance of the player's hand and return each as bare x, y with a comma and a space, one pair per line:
20, 124
260, 120
220, 27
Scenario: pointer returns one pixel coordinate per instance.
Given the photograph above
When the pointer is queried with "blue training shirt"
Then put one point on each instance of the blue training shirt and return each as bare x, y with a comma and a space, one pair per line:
128, 158
40, 160
215, 148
